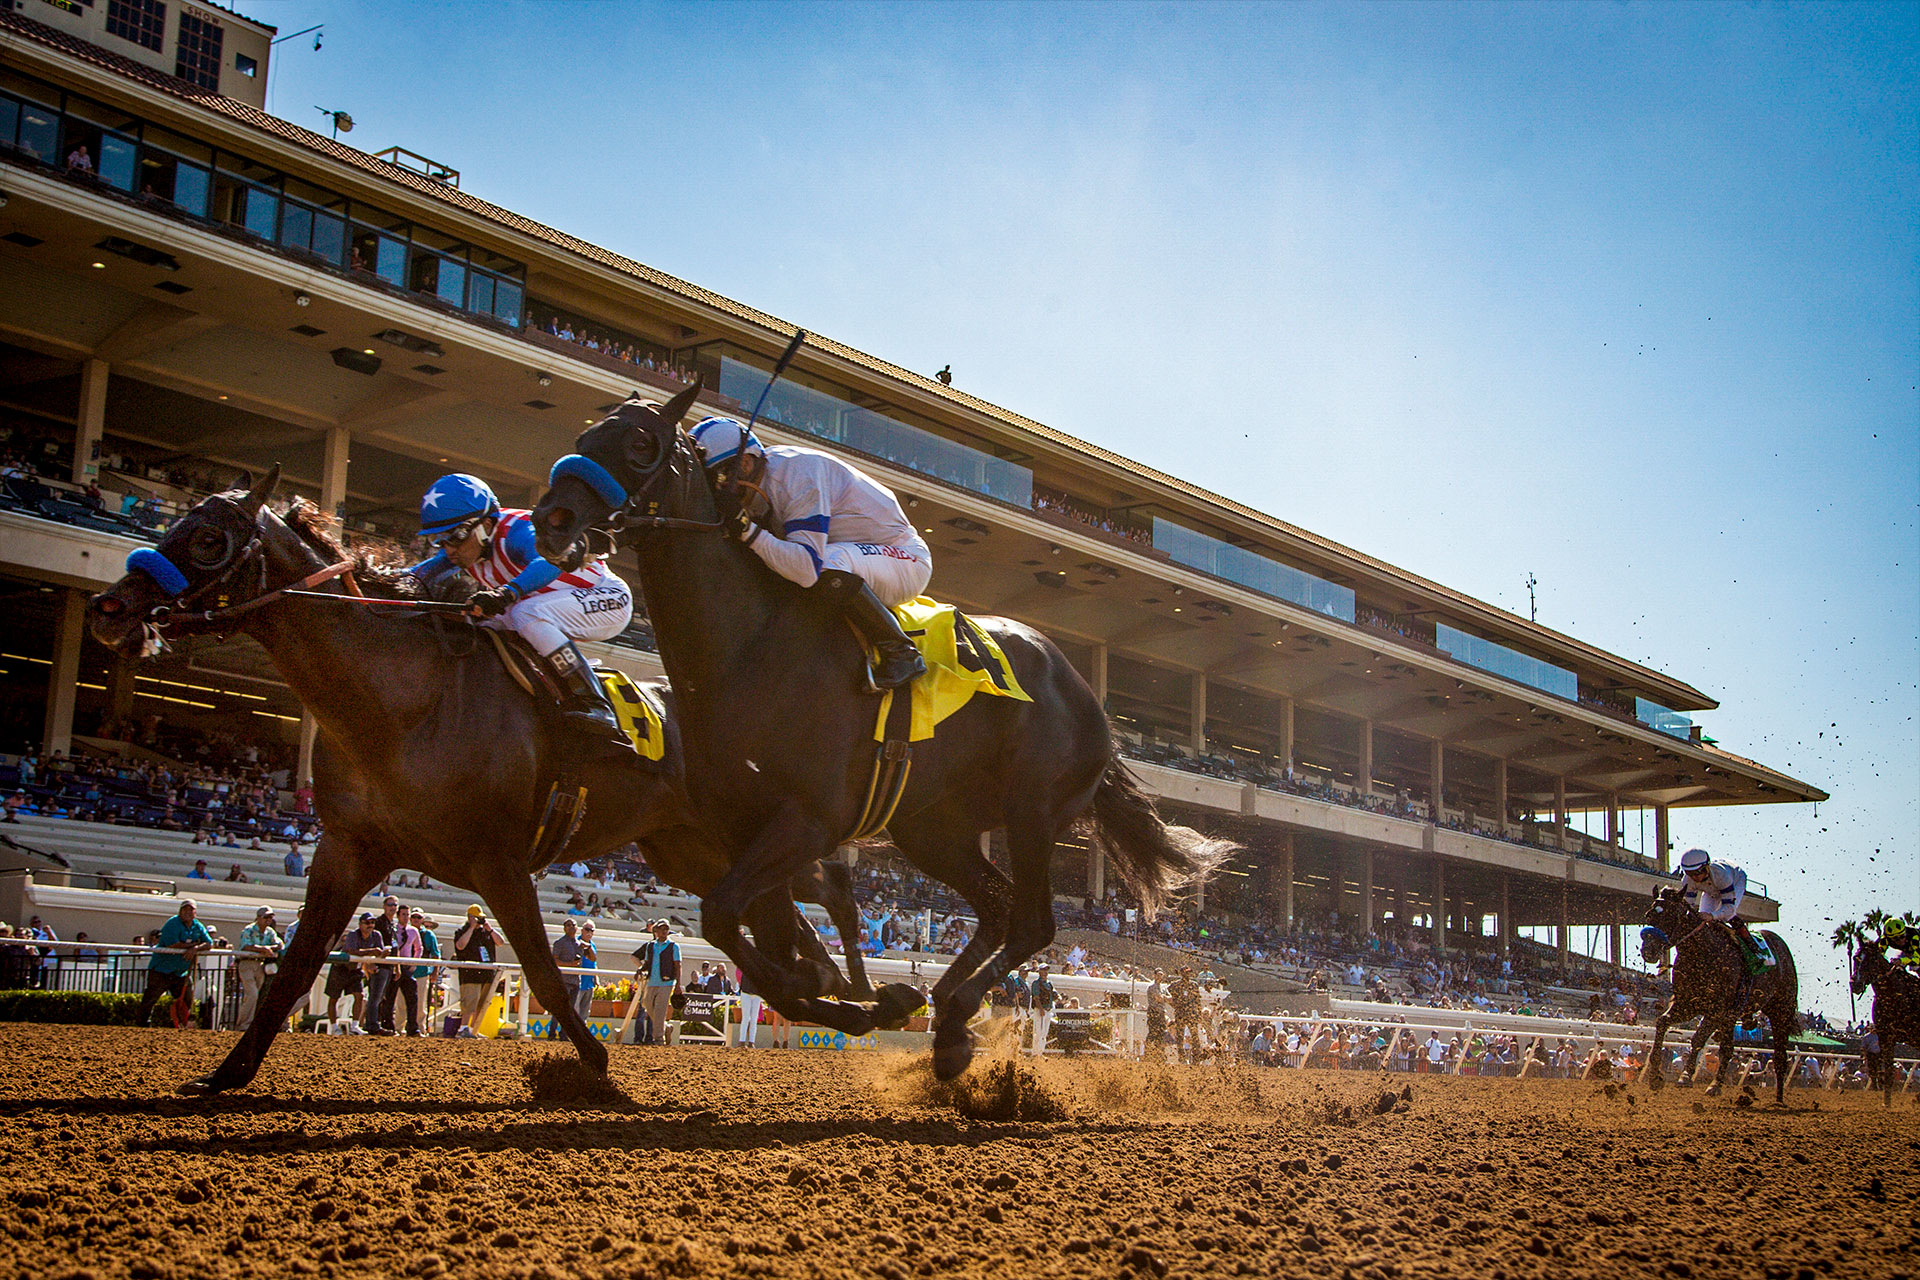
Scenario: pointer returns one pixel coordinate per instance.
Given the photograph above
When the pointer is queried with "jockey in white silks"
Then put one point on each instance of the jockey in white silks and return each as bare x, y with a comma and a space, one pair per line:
548, 606
820, 522
1716, 889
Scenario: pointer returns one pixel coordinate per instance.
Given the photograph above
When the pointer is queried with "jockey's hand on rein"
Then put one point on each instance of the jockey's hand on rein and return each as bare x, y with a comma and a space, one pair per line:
739, 525
488, 604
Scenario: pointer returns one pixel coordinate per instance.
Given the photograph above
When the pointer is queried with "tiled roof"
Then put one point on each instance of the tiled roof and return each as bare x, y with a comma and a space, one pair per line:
780, 330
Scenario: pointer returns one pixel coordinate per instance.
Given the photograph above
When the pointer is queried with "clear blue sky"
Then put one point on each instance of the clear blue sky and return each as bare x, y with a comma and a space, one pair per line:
1622, 295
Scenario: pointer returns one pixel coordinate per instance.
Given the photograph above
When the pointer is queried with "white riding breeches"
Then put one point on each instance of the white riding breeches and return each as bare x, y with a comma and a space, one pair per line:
896, 574
548, 619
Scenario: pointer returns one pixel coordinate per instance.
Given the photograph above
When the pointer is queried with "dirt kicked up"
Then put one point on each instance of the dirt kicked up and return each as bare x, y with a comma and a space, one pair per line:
356, 1157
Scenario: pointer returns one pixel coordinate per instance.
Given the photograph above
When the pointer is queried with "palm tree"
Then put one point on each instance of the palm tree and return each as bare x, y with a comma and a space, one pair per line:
1853, 935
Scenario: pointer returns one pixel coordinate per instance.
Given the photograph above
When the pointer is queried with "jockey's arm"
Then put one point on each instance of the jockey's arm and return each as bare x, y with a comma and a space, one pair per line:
521, 550
795, 552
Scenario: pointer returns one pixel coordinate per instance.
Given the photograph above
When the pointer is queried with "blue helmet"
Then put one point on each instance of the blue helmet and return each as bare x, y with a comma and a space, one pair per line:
723, 439
452, 501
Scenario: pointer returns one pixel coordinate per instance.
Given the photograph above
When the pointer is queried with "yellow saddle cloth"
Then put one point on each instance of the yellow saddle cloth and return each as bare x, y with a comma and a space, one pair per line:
962, 660
639, 717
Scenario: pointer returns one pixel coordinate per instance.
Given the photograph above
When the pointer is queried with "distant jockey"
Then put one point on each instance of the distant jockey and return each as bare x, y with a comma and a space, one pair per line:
550, 607
1716, 889
1899, 939
828, 524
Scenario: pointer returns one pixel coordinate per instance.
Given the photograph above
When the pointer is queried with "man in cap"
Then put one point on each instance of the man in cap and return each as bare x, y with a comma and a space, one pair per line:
1042, 997
182, 939
658, 963
365, 945
260, 944
476, 941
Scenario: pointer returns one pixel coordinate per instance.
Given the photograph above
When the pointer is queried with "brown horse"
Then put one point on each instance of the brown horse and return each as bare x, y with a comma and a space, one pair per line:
1896, 1008
426, 758
1710, 982
780, 735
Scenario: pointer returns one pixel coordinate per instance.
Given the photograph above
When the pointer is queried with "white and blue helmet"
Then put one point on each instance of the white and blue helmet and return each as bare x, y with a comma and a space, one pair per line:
452, 501
723, 439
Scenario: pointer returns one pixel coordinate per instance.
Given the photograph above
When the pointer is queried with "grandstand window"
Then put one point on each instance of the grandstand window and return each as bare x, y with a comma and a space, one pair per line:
144, 22
246, 66
197, 53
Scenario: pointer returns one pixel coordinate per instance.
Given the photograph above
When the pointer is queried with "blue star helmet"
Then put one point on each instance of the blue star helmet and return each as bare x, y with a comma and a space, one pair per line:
454, 500
723, 439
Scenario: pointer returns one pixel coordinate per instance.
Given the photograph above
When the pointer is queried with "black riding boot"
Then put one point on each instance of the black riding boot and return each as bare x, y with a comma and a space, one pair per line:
896, 661
584, 707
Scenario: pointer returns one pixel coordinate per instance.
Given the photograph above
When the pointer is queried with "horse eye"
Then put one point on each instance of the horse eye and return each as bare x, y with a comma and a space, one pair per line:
208, 548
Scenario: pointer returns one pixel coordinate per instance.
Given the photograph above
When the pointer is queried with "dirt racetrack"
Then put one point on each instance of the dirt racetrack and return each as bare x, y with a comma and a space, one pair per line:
395, 1158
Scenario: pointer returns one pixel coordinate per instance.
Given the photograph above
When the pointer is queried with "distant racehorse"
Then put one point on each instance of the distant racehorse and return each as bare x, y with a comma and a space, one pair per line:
426, 758
1709, 978
780, 735
1896, 1008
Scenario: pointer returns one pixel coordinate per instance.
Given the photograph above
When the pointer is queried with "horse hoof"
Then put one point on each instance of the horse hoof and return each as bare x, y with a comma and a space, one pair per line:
1713, 1090
951, 1058
1656, 1083
895, 1003
204, 1086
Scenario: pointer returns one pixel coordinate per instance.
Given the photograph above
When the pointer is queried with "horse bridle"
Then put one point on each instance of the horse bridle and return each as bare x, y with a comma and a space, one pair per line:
626, 503
172, 580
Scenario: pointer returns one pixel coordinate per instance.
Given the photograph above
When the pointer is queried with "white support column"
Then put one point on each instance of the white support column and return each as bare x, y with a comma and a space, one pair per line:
1560, 802
1096, 875
1566, 927
90, 421
1662, 839
1506, 916
1613, 817
1099, 673
1286, 734
1363, 777
1437, 776
1439, 905
1286, 876
1500, 794
63, 677
1197, 710
1366, 890
333, 471
1613, 935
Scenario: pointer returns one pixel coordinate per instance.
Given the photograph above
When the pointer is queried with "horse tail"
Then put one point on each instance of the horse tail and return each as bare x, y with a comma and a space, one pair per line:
1786, 982
1154, 857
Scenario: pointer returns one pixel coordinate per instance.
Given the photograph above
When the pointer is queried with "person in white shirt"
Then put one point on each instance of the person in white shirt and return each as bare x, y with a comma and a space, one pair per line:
259, 943
818, 521
1716, 889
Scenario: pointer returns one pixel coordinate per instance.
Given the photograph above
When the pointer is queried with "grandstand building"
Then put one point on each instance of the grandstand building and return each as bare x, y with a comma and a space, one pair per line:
191, 290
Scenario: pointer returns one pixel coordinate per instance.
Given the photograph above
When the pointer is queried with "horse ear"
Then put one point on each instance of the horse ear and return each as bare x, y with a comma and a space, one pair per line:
675, 409
258, 495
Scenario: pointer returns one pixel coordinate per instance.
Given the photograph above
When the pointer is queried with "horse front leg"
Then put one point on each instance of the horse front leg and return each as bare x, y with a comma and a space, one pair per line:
1698, 1043
1656, 1072
782, 848
343, 873
832, 884
507, 888
1725, 1031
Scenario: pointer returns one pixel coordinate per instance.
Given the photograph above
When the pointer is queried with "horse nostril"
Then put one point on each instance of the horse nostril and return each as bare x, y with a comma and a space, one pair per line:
558, 518
108, 605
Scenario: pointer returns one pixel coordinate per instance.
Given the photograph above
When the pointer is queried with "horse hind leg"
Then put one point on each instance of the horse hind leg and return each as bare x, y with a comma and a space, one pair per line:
1694, 1046
944, 844
830, 884
1726, 1058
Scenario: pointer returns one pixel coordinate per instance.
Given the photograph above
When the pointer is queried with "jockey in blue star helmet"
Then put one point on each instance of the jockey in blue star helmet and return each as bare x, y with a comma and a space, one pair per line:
550, 607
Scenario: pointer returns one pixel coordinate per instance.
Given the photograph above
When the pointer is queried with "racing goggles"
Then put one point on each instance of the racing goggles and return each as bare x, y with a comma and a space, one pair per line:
1696, 873
458, 534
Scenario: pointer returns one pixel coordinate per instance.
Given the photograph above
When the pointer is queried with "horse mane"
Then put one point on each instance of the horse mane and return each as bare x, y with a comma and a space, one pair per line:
377, 569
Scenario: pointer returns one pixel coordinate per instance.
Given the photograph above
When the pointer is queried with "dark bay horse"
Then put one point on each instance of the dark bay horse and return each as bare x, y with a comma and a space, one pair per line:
779, 735
426, 758
1896, 1008
1709, 973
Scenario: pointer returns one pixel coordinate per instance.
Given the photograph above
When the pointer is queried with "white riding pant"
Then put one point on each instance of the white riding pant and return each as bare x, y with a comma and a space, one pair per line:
896, 574
548, 619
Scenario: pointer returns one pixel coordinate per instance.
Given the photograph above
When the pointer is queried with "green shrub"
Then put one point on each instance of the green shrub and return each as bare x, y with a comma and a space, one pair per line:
86, 1008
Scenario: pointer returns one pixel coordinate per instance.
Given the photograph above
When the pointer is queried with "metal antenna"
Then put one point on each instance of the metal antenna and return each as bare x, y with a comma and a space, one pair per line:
1533, 606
